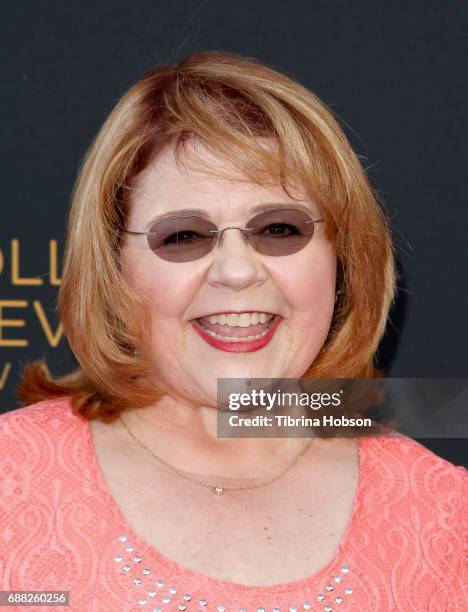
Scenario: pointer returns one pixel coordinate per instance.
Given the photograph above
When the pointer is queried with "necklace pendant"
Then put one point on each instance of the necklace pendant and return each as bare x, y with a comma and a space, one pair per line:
218, 490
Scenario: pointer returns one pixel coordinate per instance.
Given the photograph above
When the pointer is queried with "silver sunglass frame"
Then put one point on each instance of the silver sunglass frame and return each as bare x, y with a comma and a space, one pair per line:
217, 231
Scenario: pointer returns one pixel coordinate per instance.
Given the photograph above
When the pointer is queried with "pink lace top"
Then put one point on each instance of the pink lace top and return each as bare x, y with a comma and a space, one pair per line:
60, 529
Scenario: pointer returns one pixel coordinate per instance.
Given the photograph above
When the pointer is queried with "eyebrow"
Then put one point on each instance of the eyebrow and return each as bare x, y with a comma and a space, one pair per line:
198, 212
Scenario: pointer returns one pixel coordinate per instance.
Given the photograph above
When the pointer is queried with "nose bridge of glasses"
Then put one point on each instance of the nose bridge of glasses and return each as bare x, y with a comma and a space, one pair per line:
235, 261
244, 232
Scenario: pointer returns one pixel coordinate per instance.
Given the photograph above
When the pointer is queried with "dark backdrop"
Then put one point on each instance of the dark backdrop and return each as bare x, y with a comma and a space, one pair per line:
392, 72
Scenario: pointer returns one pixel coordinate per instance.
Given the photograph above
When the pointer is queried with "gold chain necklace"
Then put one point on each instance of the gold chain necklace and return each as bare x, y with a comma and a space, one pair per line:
216, 489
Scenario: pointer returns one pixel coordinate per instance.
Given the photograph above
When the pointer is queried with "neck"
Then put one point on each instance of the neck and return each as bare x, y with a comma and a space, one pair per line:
186, 437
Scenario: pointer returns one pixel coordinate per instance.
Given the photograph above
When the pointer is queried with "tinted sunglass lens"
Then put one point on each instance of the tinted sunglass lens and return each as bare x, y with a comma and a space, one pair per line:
187, 238
281, 232
182, 239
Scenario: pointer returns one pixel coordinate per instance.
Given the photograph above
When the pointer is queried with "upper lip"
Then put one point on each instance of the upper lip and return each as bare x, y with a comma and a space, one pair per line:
220, 312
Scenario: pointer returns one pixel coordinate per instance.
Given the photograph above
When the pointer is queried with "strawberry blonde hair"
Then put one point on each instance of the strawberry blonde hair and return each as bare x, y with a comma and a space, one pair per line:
230, 104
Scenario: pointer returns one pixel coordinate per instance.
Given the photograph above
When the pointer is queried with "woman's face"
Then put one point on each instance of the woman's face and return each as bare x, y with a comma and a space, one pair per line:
233, 278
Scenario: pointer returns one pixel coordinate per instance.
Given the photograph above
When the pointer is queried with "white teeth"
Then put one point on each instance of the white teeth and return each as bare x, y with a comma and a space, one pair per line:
241, 339
245, 319
229, 339
216, 319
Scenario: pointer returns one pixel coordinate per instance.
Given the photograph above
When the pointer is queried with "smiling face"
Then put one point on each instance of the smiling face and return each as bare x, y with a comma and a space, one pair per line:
191, 351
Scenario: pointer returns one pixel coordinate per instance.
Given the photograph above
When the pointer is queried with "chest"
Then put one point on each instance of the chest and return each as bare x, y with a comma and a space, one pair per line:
285, 531
249, 542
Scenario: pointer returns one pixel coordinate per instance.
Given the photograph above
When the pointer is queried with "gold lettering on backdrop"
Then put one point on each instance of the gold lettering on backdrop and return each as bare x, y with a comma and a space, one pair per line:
53, 264
16, 263
53, 339
15, 267
12, 322
4, 375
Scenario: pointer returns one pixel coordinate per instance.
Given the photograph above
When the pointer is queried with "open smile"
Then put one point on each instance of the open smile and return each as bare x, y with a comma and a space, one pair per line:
232, 332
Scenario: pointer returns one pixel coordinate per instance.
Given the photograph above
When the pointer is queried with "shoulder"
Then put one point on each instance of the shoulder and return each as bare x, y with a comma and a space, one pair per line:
412, 457
41, 445
38, 430
405, 475
37, 416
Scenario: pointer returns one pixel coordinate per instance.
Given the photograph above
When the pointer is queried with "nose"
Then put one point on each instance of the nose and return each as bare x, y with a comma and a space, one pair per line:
235, 263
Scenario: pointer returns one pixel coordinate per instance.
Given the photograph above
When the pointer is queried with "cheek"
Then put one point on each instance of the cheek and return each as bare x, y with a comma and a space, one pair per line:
309, 288
310, 283
167, 292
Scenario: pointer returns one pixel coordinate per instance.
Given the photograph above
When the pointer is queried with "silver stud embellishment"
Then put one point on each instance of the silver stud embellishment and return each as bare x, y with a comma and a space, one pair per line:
331, 594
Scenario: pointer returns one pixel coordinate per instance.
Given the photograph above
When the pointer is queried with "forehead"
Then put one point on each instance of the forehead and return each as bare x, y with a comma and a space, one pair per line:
198, 177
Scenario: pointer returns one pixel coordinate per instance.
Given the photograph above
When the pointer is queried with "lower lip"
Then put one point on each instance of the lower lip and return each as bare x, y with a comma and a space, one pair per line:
238, 347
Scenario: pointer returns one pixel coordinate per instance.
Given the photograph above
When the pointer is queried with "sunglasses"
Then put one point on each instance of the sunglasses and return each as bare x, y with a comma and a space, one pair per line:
277, 232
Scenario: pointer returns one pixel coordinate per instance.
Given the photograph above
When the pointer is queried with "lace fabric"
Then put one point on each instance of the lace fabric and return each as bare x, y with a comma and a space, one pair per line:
60, 529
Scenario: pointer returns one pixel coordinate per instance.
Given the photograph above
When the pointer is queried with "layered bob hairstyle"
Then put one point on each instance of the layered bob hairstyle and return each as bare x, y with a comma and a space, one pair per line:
231, 104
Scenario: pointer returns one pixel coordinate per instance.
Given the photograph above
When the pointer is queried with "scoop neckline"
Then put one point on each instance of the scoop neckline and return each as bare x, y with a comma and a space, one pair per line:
153, 555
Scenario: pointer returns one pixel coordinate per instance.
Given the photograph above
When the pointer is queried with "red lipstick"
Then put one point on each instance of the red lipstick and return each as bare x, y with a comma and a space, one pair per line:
238, 347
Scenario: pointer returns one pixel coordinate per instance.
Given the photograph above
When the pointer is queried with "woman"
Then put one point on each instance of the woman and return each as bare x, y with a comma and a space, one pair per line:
221, 227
